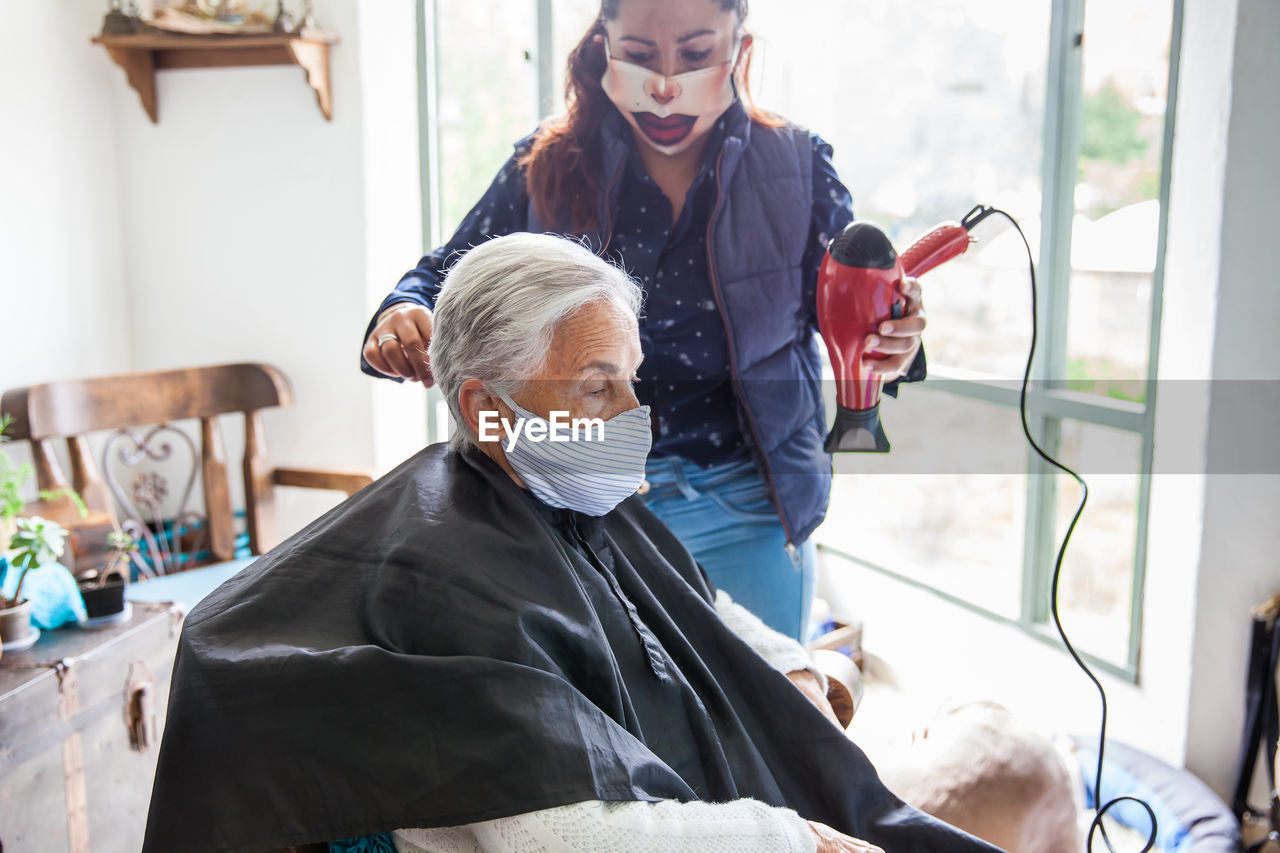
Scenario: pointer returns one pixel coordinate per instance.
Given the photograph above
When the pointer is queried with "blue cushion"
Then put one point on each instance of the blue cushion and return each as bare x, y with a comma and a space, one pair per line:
1190, 817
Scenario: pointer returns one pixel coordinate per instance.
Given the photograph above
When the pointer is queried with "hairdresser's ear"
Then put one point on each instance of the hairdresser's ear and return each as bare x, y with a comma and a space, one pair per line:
738, 72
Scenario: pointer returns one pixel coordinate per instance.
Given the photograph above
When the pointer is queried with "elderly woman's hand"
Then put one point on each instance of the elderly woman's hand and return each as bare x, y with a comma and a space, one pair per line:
898, 340
397, 346
808, 684
830, 841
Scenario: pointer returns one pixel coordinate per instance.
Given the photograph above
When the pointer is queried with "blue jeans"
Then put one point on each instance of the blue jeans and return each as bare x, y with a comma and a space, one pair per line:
724, 516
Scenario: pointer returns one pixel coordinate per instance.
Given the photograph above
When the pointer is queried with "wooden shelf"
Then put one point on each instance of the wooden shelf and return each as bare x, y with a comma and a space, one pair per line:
142, 54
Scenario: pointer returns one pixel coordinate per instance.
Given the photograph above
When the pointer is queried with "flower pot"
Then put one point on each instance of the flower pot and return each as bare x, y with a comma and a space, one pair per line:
15, 622
105, 600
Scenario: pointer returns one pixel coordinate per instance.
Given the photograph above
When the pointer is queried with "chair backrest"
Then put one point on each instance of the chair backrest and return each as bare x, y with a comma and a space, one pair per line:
139, 407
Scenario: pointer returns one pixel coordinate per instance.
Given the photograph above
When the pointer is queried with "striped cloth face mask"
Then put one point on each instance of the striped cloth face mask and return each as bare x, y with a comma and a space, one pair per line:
586, 465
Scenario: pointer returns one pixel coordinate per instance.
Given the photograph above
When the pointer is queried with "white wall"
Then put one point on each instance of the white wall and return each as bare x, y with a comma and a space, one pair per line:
241, 227
62, 290
1213, 536
1239, 558
257, 230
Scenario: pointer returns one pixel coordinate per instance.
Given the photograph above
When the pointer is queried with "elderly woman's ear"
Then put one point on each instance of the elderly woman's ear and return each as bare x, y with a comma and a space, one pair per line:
473, 401
474, 398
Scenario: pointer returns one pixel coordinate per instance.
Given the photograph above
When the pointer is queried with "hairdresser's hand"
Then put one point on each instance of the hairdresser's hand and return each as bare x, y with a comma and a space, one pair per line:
830, 841
898, 341
809, 685
397, 346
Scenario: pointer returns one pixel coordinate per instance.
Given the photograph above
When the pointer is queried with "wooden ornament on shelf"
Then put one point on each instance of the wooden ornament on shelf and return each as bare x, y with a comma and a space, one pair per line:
142, 54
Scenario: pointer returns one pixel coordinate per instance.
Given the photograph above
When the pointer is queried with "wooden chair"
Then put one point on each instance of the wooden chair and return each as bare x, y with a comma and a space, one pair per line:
139, 408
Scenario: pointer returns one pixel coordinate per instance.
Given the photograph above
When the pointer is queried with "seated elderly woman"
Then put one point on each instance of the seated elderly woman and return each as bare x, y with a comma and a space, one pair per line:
497, 647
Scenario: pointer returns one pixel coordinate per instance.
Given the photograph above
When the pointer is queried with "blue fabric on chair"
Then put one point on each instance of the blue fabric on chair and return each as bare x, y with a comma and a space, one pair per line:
382, 843
189, 587
1190, 817
55, 598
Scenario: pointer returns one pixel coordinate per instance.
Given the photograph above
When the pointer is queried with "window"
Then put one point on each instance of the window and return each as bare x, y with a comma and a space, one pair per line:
487, 95
941, 105
933, 106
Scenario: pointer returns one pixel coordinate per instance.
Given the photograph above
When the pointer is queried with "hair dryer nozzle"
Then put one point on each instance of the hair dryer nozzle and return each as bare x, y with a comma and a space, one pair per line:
857, 431
862, 244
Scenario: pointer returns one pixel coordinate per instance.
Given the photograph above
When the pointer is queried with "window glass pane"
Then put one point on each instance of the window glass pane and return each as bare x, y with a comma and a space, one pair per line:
1097, 576
570, 21
932, 106
1114, 235
946, 507
488, 94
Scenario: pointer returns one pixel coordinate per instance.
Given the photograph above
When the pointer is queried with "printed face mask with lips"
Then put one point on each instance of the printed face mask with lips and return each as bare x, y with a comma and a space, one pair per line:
670, 113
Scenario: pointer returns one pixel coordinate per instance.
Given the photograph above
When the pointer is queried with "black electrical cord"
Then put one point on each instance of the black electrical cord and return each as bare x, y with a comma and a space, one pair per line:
973, 218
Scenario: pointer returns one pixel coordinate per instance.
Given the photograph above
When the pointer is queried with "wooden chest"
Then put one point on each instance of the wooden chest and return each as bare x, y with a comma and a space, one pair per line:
80, 719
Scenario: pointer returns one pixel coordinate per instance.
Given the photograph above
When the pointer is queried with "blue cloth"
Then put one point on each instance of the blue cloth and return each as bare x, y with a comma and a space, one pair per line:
1190, 817
55, 598
726, 519
382, 843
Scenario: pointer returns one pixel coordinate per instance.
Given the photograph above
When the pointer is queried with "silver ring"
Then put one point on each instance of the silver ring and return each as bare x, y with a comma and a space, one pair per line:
382, 339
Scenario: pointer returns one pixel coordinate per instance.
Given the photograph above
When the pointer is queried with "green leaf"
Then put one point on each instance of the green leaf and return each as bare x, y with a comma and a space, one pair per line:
54, 494
37, 541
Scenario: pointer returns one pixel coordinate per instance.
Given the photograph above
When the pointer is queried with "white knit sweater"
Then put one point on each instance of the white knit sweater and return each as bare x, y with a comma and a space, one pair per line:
740, 826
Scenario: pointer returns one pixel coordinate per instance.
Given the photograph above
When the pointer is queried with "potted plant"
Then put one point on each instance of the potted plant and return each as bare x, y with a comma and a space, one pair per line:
34, 543
11, 479
25, 544
103, 592
15, 621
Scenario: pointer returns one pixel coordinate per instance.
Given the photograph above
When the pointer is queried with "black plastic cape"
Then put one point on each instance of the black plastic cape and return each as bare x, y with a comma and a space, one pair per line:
443, 649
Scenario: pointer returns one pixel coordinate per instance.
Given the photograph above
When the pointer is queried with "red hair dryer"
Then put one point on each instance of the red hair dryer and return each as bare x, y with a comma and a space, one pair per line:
859, 287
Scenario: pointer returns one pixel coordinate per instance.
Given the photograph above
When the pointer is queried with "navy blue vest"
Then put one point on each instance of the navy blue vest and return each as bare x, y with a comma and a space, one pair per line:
759, 232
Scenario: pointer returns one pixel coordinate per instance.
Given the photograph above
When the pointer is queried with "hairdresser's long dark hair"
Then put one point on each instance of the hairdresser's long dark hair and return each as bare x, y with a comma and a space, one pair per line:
565, 161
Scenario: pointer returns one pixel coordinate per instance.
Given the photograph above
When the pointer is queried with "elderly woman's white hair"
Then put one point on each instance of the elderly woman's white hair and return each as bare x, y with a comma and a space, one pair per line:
499, 307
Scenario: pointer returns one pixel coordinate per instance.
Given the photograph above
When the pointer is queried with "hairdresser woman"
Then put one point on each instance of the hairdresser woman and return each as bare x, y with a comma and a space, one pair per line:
722, 212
